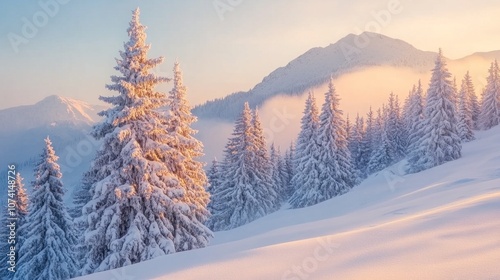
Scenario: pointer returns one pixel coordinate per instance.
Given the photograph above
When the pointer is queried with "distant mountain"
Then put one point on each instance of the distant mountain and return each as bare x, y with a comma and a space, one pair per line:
316, 66
489, 56
51, 111
66, 121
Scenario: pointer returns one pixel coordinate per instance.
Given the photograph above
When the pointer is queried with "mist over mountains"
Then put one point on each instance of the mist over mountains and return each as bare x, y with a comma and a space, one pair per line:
349, 55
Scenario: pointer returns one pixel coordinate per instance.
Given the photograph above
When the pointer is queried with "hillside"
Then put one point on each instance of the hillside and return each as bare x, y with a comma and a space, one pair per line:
438, 224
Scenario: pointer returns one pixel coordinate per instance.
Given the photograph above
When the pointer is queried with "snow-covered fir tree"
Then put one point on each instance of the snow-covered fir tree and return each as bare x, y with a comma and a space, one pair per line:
288, 161
246, 192
465, 123
332, 137
440, 142
490, 103
368, 141
279, 173
19, 214
276, 172
262, 162
383, 152
214, 176
148, 196
348, 127
395, 129
47, 251
406, 107
182, 161
472, 101
414, 116
336, 174
81, 197
305, 181
359, 148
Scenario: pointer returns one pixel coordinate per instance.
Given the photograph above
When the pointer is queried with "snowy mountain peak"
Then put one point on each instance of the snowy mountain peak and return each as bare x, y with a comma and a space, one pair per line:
50, 111
317, 65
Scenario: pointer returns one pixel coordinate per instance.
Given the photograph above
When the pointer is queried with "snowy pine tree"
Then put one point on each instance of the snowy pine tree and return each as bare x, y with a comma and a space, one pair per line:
414, 118
383, 152
332, 138
148, 196
440, 141
394, 129
335, 171
465, 122
246, 192
472, 101
289, 167
490, 104
47, 250
306, 181
189, 229
368, 141
214, 176
359, 148
20, 213
276, 172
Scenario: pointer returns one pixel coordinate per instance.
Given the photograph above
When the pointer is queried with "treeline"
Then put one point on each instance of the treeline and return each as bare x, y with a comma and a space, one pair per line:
331, 155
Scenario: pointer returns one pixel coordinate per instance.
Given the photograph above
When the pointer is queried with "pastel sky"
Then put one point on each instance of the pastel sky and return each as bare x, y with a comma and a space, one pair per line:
220, 50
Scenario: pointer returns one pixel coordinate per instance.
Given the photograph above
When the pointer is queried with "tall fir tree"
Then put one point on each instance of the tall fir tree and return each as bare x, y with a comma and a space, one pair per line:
368, 142
415, 117
277, 172
148, 193
472, 101
246, 192
289, 170
214, 176
19, 216
335, 171
383, 152
465, 114
333, 136
440, 142
358, 148
405, 113
490, 103
47, 252
394, 129
306, 181
182, 161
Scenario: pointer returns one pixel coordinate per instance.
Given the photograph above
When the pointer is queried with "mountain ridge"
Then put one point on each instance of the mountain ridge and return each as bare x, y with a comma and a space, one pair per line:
314, 67
50, 111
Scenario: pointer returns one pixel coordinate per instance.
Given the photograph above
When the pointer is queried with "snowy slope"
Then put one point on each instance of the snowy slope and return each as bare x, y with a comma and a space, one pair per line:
442, 223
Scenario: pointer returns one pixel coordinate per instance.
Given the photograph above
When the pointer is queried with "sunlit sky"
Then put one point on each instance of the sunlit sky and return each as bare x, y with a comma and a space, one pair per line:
221, 51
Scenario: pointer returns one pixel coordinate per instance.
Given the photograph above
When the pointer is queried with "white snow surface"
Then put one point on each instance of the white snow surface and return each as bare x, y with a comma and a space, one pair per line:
442, 223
